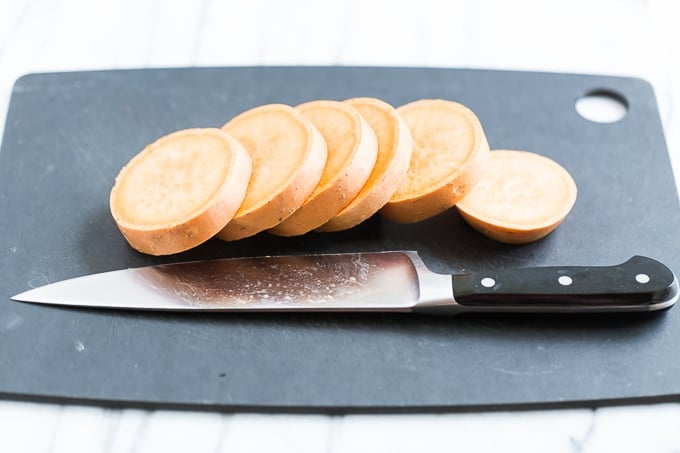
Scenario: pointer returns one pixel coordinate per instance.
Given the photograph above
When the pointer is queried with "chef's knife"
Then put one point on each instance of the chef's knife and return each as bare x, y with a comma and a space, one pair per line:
381, 281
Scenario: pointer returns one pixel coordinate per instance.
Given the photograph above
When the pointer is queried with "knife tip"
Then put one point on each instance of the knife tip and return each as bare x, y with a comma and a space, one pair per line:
26, 296
21, 297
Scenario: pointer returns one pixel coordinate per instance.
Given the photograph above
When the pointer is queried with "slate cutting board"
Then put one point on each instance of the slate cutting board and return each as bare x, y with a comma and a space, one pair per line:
68, 134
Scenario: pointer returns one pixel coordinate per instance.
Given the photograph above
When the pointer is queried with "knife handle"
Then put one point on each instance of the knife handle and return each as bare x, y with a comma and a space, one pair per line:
639, 284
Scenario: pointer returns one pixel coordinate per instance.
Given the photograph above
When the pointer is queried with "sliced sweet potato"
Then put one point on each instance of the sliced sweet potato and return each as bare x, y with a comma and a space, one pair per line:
449, 154
352, 152
289, 155
394, 154
521, 197
180, 190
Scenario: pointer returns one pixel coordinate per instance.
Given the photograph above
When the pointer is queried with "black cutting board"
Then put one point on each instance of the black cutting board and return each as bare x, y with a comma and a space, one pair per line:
68, 134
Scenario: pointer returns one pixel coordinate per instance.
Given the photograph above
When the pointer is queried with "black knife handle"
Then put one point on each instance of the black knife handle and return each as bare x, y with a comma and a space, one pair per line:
639, 284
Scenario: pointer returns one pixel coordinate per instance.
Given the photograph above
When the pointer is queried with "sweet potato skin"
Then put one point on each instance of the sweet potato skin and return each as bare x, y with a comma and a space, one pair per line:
391, 166
339, 190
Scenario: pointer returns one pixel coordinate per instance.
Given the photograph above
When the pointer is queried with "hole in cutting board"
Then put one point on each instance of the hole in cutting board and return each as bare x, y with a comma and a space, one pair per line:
602, 106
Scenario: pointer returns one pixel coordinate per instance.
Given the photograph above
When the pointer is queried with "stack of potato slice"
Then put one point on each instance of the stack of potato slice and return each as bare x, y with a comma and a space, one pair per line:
327, 166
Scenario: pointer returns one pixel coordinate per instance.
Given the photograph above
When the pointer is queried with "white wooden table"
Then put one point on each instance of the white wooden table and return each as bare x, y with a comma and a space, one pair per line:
606, 37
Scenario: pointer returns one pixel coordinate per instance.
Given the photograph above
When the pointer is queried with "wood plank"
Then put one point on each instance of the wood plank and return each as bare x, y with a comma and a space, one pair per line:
281, 433
174, 32
304, 32
13, 14
179, 431
384, 32
80, 37
27, 427
133, 36
83, 428
636, 429
130, 426
231, 34
539, 431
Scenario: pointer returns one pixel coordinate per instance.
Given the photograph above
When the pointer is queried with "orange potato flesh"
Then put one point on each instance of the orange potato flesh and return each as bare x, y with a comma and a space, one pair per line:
521, 197
449, 154
289, 155
352, 151
394, 154
180, 190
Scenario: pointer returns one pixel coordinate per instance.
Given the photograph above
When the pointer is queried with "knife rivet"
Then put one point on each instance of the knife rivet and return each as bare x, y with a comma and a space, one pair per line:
565, 280
488, 282
642, 278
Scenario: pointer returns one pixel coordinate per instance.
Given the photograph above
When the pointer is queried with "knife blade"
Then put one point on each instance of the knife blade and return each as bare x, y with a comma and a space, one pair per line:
379, 281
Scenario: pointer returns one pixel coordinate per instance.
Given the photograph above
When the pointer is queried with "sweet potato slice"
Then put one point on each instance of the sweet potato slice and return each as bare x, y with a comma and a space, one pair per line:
394, 154
521, 197
449, 154
289, 155
352, 152
180, 190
